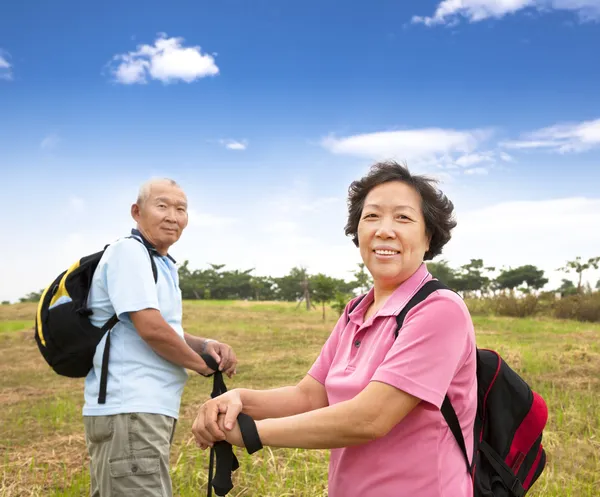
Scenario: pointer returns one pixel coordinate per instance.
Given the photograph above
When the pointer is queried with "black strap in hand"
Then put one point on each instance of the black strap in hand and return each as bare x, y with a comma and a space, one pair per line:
226, 461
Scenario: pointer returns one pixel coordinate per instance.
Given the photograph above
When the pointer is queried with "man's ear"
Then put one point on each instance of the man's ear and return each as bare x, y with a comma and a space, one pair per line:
135, 212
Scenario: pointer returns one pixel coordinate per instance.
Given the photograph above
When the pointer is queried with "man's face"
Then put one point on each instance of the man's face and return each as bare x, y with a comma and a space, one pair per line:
163, 216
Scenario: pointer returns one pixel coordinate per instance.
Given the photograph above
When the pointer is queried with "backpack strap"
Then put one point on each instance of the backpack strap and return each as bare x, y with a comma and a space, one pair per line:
111, 323
452, 419
447, 410
355, 305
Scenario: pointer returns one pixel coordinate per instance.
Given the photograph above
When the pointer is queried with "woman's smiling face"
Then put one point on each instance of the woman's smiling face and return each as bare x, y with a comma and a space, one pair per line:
392, 235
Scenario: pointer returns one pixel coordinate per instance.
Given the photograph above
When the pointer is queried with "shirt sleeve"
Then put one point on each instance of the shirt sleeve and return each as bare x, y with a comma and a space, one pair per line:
322, 364
129, 279
432, 345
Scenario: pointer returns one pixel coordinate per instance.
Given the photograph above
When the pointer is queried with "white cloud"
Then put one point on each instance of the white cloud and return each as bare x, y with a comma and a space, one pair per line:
477, 170
427, 144
563, 138
205, 219
544, 233
448, 11
234, 144
476, 158
50, 142
167, 61
5, 66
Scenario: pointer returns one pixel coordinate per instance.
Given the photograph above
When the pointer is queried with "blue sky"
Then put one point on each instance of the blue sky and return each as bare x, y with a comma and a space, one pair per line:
265, 111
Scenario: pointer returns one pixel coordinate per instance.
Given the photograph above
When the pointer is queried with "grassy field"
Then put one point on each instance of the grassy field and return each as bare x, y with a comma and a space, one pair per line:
41, 433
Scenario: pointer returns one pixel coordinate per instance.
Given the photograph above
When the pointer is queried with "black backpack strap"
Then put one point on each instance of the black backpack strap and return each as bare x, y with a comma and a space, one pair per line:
452, 419
508, 477
425, 291
110, 324
355, 305
447, 410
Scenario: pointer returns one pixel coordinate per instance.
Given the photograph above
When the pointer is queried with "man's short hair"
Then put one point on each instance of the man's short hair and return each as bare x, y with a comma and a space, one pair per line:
144, 191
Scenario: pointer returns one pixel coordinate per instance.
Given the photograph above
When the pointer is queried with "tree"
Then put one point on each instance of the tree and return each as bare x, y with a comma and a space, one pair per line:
32, 297
443, 272
580, 267
362, 279
290, 287
470, 277
566, 288
323, 289
263, 288
512, 278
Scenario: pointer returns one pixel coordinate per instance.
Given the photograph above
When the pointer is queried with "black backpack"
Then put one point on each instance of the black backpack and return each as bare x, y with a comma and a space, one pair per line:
63, 331
508, 455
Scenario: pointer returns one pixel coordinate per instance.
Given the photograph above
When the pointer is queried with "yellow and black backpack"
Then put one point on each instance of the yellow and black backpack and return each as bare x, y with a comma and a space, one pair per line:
63, 331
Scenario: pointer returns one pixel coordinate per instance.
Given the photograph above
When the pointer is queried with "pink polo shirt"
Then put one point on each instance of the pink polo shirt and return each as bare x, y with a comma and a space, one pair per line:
433, 354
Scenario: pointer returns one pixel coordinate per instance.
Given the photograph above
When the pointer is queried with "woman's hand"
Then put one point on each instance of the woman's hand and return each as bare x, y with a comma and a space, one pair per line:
234, 436
206, 427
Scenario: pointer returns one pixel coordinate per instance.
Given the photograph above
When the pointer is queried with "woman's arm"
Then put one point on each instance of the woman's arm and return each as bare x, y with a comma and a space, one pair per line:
307, 395
370, 415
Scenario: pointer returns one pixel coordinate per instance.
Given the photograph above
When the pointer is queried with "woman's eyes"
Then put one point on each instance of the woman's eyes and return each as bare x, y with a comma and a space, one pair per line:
402, 217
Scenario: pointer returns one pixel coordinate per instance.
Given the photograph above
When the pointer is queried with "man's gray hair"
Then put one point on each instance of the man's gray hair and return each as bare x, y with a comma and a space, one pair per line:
146, 187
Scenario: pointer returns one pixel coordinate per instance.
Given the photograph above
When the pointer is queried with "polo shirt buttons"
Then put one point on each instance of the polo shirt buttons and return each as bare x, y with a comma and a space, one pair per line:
357, 343
134, 468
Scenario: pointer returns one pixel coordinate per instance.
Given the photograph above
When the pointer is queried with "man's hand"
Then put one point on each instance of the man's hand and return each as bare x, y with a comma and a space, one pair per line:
224, 355
206, 427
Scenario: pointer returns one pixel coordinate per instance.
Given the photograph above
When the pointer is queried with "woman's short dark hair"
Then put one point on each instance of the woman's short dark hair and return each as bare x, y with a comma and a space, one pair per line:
437, 208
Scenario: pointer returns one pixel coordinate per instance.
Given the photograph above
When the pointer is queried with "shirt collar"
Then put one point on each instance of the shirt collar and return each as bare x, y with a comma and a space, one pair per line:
396, 301
149, 246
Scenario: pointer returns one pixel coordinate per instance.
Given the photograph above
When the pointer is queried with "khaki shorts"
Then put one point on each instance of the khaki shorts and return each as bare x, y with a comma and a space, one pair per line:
129, 454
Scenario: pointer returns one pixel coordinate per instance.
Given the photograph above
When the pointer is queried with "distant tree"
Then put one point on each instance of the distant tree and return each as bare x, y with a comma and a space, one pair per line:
323, 289
580, 267
5, 302
32, 297
263, 288
340, 300
363, 280
567, 288
471, 277
443, 272
512, 278
289, 287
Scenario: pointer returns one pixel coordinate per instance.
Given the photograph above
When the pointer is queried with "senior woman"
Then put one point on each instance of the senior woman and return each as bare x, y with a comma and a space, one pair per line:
374, 400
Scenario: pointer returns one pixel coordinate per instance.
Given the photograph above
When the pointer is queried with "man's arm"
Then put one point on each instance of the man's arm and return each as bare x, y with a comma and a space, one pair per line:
165, 341
221, 352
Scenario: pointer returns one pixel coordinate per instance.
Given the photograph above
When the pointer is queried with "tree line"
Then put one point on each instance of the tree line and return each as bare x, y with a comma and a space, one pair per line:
470, 280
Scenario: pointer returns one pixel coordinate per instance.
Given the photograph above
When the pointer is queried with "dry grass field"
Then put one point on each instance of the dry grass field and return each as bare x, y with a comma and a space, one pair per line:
41, 433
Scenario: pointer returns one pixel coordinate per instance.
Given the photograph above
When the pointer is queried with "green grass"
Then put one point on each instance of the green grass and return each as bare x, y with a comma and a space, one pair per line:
16, 325
41, 434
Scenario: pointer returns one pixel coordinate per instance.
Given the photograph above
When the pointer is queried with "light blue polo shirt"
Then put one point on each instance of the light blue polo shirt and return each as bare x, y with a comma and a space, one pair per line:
139, 380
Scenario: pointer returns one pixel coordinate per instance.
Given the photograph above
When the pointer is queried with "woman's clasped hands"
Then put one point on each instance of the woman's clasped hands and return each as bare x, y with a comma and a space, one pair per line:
217, 421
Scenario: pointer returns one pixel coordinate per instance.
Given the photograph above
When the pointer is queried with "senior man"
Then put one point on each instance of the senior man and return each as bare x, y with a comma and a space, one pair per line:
130, 431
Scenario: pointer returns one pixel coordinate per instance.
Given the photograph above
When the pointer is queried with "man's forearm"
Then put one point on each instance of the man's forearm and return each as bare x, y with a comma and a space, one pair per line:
169, 345
274, 403
196, 343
